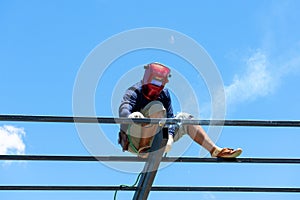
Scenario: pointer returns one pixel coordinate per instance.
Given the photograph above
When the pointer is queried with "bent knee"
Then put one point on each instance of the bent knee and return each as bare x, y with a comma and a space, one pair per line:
155, 109
184, 115
159, 114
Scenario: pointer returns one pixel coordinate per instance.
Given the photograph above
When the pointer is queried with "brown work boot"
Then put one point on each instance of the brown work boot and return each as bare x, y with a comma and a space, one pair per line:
229, 153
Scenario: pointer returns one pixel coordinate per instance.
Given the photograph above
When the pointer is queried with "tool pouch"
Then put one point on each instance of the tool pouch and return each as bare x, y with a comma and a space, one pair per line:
123, 140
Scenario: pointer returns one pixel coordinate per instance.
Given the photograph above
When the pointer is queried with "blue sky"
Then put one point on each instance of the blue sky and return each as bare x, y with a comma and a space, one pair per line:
254, 44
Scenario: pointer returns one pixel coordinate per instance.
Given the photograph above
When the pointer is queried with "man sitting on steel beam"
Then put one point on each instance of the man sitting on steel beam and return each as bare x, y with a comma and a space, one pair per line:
149, 98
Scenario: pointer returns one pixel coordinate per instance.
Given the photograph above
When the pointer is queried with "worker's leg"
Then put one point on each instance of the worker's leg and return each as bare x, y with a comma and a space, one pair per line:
141, 136
148, 131
154, 109
198, 134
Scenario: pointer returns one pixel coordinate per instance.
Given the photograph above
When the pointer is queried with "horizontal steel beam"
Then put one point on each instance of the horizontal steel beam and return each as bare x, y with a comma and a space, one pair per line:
136, 159
112, 120
154, 188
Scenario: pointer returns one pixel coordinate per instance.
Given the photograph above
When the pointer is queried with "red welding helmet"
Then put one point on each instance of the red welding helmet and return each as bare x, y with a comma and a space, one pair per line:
154, 80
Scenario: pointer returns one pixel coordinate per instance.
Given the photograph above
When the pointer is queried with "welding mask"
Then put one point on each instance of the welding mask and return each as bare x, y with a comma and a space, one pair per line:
155, 78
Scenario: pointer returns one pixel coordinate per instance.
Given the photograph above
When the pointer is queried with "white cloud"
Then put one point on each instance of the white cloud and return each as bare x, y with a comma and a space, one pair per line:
257, 81
11, 140
261, 77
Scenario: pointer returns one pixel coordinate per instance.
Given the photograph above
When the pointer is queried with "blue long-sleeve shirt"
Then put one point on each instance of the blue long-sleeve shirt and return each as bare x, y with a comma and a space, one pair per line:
134, 101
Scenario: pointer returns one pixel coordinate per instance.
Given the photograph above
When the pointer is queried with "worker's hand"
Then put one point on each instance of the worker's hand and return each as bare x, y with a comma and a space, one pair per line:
136, 115
169, 143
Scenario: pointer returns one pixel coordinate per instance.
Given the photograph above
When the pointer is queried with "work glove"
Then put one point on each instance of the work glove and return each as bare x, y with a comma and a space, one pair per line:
169, 143
136, 115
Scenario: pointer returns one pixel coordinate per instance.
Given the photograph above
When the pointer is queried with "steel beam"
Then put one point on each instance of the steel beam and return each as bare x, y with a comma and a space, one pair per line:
151, 166
112, 120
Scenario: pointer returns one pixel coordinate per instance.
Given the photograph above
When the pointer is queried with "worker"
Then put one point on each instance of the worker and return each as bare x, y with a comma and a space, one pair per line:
149, 98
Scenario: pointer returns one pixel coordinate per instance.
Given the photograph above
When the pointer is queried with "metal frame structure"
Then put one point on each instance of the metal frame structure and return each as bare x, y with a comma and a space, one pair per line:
151, 167
112, 120
137, 159
155, 157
